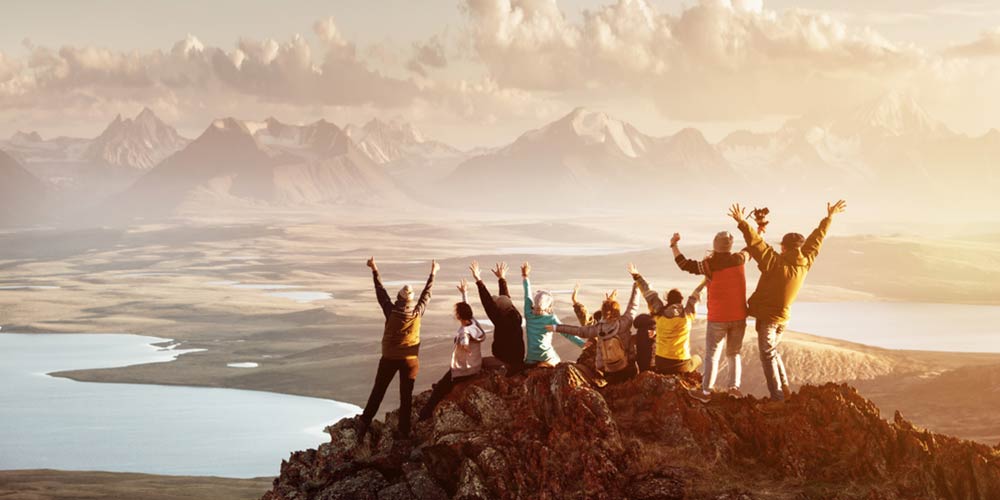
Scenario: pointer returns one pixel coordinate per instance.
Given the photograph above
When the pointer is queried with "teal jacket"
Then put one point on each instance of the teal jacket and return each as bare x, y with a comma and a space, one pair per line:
540, 348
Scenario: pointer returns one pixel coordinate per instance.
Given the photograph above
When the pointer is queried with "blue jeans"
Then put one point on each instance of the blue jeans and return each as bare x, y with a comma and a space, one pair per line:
768, 338
717, 332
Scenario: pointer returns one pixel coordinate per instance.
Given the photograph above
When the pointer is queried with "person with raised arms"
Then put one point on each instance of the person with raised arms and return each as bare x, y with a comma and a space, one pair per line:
400, 348
673, 326
508, 336
538, 315
781, 278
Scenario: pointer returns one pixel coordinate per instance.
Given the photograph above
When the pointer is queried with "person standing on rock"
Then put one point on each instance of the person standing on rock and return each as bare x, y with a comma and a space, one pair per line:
612, 335
508, 336
538, 315
400, 347
673, 326
727, 309
466, 357
781, 278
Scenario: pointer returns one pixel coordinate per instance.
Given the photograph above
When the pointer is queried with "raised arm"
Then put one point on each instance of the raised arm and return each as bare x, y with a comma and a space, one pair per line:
810, 249
580, 310
525, 272
652, 299
489, 305
500, 271
381, 294
425, 296
765, 256
585, 331
694, 299
632, 309
685, 264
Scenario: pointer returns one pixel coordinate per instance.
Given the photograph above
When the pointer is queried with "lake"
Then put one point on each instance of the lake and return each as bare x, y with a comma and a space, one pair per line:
57, 423
903, 325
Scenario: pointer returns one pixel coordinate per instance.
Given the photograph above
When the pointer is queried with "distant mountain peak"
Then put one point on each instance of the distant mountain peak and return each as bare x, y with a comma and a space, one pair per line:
139, 142
388, 141
895, 113
26, 137
231, 124
593, 126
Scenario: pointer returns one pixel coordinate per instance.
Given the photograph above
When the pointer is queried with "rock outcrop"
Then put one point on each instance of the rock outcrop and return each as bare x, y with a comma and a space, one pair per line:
548, 434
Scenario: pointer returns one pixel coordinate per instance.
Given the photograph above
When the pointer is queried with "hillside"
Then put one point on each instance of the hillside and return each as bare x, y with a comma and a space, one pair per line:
549, 434
21, 194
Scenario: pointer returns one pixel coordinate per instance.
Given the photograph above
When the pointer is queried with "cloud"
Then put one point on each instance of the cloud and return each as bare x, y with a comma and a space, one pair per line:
427, 54
728, 59
266, 70
987, 45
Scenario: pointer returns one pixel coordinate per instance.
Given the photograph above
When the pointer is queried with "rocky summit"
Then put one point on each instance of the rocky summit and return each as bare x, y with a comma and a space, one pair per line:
550, 434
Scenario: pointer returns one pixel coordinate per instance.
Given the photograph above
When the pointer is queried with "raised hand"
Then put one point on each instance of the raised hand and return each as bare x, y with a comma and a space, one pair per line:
500, 271
836, 208
474, 267
576, 290
674, 239
632, 269
371, 263
435, 267
613, 295
463, 286
737, 212
525, 269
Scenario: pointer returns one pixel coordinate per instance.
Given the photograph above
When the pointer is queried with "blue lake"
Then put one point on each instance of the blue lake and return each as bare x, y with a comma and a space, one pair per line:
57, 423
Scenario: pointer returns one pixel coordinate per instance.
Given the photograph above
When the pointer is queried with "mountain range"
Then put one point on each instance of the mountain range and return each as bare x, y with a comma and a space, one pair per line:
586, 158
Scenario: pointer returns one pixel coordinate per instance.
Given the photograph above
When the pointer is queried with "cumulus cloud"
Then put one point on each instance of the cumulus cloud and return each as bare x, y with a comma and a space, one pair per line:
267, 70
987, 45
727, 58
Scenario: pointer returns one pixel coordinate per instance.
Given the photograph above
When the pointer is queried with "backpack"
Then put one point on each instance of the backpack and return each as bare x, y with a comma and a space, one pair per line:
612, 352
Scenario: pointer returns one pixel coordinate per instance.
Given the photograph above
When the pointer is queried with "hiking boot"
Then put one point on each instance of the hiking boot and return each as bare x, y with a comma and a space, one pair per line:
787, 391
735, 392
700, 395
773, 406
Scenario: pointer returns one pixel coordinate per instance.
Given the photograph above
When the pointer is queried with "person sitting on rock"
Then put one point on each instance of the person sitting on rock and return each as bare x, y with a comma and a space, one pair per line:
466, 357
673, 326
508, 336
645, 340
537, 315
781, 278
612, 335
588, 357
727, 309
400, 347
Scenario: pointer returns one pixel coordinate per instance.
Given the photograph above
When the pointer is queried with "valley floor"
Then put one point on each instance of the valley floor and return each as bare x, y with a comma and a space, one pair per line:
66, 485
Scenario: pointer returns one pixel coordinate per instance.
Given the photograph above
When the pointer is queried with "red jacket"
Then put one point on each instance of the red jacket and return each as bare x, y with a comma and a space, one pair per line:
727, 286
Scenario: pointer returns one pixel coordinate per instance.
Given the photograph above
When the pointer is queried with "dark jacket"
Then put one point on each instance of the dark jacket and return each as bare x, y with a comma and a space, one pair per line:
401, 337
781, 275
727, 288
508, 337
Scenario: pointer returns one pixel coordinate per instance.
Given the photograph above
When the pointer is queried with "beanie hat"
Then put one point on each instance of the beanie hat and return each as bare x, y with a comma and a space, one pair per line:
723, 242
793, 240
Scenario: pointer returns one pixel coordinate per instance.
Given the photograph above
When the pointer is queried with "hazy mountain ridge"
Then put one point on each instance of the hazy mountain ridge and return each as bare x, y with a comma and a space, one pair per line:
584, 159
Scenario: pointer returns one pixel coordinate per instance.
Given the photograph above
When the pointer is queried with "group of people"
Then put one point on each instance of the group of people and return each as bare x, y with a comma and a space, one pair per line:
612, 353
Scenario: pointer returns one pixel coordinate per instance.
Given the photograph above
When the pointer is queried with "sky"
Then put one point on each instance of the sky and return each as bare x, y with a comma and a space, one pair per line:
480, 72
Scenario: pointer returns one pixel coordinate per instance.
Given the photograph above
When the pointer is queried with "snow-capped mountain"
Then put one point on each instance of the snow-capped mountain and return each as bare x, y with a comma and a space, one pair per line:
280, 164
895, 114
395, 142
21, 194
588, 153
139, 142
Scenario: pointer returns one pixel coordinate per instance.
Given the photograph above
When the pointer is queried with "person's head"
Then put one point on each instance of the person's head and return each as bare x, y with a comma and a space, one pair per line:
405, 294
791, 242
463, 311
543, 303
723, 242
674, 296
610, 310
